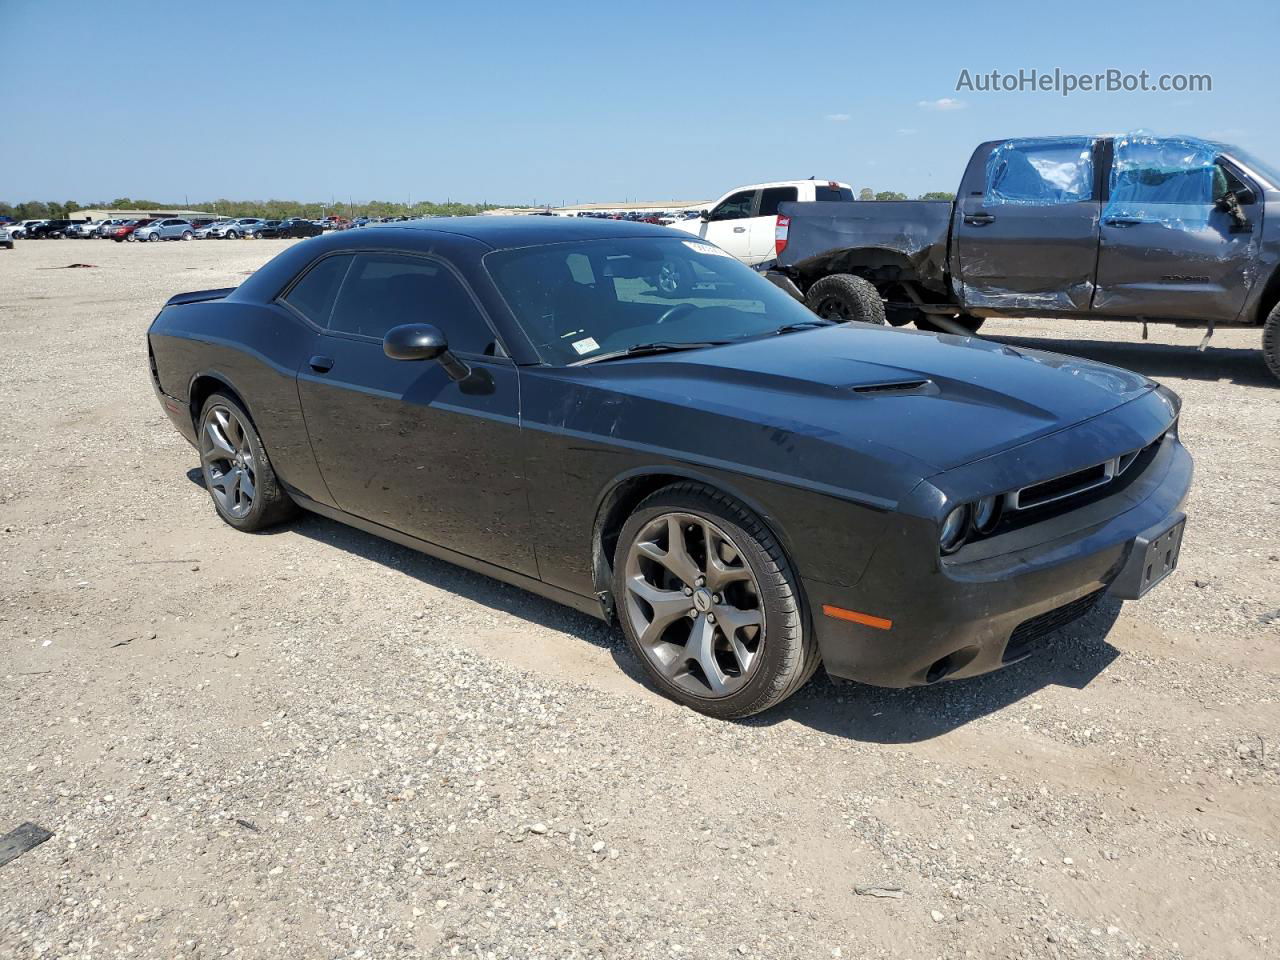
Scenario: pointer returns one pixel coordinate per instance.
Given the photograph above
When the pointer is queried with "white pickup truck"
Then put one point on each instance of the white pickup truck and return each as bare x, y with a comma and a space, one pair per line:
744, 221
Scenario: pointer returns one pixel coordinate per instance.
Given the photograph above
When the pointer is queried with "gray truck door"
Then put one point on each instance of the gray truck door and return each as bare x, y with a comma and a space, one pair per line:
1168, 249
1026, 227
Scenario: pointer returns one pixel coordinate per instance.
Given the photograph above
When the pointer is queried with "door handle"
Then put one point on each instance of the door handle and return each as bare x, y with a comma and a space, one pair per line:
321, 364
739, 229
1121, 221
979, 219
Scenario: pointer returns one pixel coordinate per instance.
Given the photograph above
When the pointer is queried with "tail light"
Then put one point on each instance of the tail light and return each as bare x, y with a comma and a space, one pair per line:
780, 232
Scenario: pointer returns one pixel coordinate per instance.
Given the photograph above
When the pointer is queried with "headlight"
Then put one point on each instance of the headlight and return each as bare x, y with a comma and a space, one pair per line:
954, 529
986, 513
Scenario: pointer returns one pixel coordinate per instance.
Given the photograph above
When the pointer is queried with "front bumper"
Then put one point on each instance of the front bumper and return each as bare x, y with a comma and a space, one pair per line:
955, 620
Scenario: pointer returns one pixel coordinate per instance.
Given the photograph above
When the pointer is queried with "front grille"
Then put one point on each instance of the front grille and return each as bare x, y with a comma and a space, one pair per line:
1078, 482
1029, 631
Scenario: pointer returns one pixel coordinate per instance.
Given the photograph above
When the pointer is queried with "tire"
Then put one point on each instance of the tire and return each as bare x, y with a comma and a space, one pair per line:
972, 324
188, 235
785, 654
1271, 341
155, 238
842, 296
257, 235
130, 238
241, 452
232, 235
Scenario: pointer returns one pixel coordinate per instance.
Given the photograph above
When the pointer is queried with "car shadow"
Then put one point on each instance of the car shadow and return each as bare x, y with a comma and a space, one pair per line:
1072, 656
1238, 365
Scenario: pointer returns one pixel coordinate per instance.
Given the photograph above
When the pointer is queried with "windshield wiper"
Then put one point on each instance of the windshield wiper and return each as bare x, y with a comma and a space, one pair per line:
645, 349
804, 325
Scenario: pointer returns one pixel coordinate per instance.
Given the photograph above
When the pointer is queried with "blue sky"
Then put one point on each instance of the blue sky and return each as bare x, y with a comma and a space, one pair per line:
593, 101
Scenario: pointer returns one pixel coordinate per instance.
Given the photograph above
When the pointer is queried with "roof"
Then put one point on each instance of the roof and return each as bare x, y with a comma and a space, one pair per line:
528, 231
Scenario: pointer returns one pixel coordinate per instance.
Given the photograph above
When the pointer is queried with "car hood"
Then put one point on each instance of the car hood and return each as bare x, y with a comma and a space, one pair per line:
942, 400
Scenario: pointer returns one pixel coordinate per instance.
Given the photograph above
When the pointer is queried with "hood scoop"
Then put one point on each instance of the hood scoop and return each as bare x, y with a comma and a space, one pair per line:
917, 387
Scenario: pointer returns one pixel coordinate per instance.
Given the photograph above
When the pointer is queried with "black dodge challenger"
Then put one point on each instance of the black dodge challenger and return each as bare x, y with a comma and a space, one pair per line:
631, 422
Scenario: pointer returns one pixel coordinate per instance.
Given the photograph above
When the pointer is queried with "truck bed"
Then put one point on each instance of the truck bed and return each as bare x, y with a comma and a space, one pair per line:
821, 235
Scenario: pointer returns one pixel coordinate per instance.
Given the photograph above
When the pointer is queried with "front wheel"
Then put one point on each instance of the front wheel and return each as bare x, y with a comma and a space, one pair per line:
188, 235
1271, 341
232, 235
709, 603
131, 238
237, 472
842, 297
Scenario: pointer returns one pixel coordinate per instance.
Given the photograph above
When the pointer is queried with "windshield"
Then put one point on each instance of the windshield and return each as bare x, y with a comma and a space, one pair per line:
1260, 167
590, 298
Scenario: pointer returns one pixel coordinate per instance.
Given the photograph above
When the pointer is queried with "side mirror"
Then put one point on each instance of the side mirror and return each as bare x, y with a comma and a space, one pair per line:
423, 341
1246, 196
414, 341
705, 216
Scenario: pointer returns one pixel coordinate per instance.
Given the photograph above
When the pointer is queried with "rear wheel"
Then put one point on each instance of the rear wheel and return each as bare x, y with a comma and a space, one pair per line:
237, 472
188, 235
1271, 341
709, 603
842, 296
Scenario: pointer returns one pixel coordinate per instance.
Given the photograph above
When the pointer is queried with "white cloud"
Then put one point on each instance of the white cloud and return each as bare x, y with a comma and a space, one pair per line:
837, 117
906, 131
945, 103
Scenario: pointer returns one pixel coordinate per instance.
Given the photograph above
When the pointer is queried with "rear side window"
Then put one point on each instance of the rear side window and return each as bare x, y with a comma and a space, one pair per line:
314, 294
384, 290
770, 197
832, 193
1042, 172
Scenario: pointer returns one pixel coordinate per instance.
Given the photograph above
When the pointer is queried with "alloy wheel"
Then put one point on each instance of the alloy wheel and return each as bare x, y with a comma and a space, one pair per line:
831, 308
694, 605
227, 458
668, 277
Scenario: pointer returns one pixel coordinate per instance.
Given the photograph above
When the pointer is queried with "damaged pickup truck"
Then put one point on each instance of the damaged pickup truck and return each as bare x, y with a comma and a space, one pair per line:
1132, 227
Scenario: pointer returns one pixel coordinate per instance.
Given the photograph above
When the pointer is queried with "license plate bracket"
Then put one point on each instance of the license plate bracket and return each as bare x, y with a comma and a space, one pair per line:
1153, 555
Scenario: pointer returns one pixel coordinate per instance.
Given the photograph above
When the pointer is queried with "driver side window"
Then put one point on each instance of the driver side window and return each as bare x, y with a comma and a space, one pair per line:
736, 207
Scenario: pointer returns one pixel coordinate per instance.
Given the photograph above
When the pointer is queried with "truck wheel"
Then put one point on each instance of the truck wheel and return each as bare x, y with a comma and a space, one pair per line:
842, 296
1271, 341
972, 324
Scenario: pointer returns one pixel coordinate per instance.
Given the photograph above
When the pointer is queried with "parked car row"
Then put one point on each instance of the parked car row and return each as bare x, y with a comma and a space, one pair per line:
153, 229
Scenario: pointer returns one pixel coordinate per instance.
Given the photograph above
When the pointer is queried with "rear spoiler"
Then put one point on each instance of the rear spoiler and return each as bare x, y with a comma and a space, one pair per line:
199, 296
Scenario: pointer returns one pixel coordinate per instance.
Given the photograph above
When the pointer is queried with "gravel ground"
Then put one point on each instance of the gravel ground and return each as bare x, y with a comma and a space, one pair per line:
314, 743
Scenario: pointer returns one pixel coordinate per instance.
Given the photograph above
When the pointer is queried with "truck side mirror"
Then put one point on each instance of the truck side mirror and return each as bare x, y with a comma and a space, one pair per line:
705, 216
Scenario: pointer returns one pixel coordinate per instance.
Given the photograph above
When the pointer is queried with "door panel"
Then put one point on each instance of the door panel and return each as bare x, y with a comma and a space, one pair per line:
730, 225
1167, 250
763, 229
401, 444
1027, 257
1029, 240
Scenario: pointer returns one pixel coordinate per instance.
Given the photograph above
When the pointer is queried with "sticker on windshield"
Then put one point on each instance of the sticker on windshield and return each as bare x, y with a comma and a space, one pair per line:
706, 248
585, 345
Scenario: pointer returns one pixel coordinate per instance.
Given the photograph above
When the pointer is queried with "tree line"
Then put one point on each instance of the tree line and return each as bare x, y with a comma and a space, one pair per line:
866, 193
267, 209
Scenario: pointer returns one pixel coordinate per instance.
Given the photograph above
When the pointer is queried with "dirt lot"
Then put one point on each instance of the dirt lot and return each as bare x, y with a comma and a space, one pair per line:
316, 744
